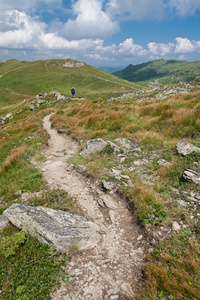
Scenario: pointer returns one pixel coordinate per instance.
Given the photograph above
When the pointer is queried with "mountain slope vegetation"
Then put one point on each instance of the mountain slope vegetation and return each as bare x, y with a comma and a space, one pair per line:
164, 71
19, 78
152, 179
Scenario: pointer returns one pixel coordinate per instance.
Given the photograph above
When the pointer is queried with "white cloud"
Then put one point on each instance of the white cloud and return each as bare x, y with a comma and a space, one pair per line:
160, 49
129, 47
90, 21
183, 45
27, 5
23, 31
136, 10
185, 7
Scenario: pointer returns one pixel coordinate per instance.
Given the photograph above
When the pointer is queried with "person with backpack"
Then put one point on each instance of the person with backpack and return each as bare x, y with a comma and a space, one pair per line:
73, 92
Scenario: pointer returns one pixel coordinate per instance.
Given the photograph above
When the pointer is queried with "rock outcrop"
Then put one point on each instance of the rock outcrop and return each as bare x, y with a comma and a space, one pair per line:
184, 148
4, 222
191, 175
56, 228
95, 145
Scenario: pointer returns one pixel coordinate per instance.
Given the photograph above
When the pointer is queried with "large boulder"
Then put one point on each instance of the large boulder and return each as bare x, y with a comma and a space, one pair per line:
92, 146
95, 145
4, 222
56, 228
184, 148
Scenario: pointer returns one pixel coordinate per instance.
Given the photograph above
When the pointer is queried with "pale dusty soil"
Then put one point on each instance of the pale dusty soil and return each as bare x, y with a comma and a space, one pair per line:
112, 268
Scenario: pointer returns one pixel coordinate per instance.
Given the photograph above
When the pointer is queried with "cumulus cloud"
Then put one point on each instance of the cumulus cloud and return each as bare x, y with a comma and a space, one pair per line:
184, 45
136, 10
90, 21
160, 49
129, 47
184, 7
151, 9
27, 5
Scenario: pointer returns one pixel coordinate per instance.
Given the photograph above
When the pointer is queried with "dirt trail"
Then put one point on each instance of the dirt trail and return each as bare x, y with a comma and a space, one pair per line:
112, 269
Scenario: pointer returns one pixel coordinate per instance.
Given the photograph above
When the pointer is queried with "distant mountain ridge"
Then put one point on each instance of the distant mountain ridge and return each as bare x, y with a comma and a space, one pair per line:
163, 71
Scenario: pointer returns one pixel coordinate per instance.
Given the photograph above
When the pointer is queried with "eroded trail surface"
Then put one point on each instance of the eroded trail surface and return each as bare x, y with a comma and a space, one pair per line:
112, 268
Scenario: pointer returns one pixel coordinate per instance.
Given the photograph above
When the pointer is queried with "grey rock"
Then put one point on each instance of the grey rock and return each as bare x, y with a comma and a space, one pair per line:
185, 148
107, 185
114, 146
163, 162
108, 201
115, 173
56, 228
70, 167
124, 143
32, 107
112, 216
9, 116
40, 101
176, 226
61, 130
81, 168
93, 146
4, 222
191, 175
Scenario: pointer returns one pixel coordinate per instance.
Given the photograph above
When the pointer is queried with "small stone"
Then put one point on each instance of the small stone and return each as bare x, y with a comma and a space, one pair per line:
139, 237
112, 216
113, 297
176, 226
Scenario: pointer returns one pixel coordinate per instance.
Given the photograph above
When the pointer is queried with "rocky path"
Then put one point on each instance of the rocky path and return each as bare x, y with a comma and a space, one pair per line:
112, 268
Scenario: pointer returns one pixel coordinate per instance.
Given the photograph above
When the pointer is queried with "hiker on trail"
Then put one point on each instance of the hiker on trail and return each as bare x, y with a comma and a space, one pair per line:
73, 92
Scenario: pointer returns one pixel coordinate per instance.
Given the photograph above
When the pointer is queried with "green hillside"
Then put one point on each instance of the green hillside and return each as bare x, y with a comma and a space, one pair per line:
20, 78
164, 202
165, 71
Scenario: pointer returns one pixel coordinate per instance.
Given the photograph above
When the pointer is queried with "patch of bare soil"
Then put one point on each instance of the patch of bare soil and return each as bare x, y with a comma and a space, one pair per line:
111, 269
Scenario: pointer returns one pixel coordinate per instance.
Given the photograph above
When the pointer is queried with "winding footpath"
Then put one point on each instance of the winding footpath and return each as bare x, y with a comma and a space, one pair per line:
111, 269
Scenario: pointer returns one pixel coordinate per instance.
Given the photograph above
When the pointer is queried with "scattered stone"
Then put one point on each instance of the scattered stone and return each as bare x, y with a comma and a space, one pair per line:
115, 173
163, 162
40, 101
101, 202
4, 222
73, 64
32, 107
70, 168
184, 148
139, 237
191, 175
124, 143
61, 130
81, 168
108, 201
107, 185
112, 216
18, 193
114, 146
56, 228
9, 116
176, 226
125, 177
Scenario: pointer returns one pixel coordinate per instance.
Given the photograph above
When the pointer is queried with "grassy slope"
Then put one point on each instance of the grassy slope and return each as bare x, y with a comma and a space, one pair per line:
167, 71
172, 269
30, 78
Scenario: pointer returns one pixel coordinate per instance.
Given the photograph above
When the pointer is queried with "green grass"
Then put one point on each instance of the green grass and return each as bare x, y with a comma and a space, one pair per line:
165, 71
26, 79
28, 269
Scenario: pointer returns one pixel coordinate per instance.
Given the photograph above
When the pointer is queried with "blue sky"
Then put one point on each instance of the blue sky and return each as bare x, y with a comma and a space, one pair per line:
99, 32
